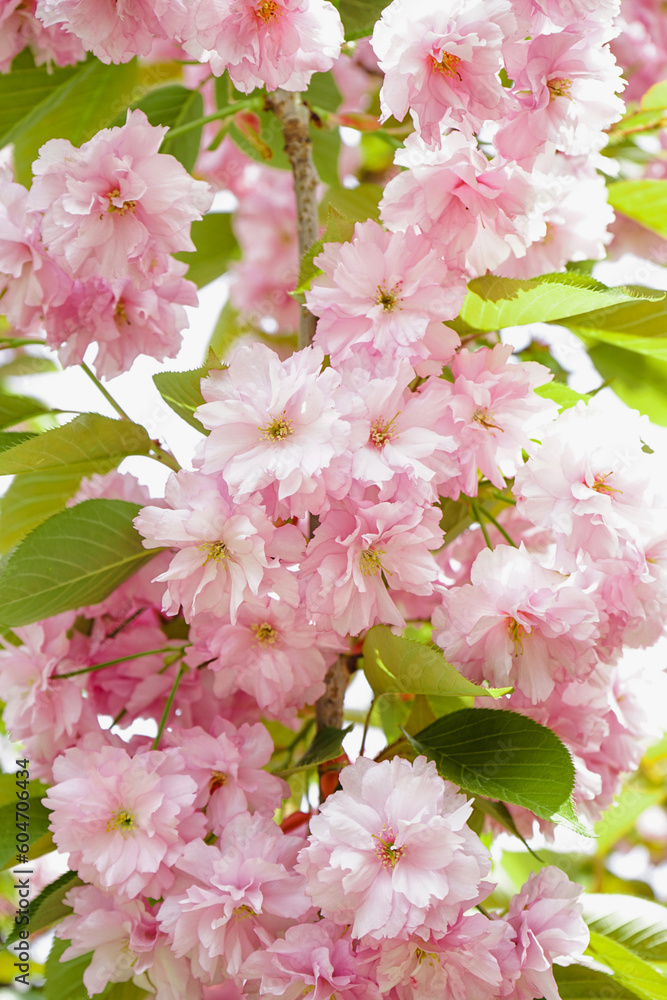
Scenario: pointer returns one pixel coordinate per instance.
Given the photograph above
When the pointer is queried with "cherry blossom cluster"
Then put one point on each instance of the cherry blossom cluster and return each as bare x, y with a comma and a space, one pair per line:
314, 509
86, 253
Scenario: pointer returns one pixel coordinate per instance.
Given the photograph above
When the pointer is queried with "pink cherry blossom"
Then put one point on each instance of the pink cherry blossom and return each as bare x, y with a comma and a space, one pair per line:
443, 63
493, 413
318, 958
234, 898
272, 43
274, 424
517, 623
227, 765
222, 553
119, 817
546, 917
124, 321
391, 854
273, 652
565, 85
355, 548
477, 212
116, 206
19, 28
118, 31
594, 490
384, 292
474, 960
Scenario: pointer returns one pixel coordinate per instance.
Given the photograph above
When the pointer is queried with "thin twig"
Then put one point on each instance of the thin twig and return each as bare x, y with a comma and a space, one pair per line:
499, 527
167, 708
112, 663
367, 723
294, 116
105, 392
251, 102
478, 518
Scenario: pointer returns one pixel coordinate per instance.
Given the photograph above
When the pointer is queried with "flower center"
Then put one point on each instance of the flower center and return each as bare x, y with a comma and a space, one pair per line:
120, 314
243, 912
370, 561
430, 956
265, 634
268, 10
278, 429
214, 550
446, 64
600, 484
388, 298
127, 206
559, 87
217, 780
516, 634
485, 418
382, 431
385, 850
122, 820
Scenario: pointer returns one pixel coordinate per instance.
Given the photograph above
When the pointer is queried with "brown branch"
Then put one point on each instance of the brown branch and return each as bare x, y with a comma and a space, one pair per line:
294, 116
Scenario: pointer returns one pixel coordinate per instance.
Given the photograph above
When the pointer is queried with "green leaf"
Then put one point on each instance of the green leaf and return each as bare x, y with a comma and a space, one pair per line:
48, 907
182, 390
499, 812
640, 925
16, 409
645, 201
655, 98
64, 980
631, 971
359, 16
628, 806
356, 204
185, 147
637, 379
37, 828
26, 87
323, 92
30, 499
638, 326
228, 328
28, 364
327, 745
338, 230
562, 394
75, 558
85, 101
493, 303
392, 663
326, 145
577, 982
216, 245
87, 444
9, 439
501, 755
8, 789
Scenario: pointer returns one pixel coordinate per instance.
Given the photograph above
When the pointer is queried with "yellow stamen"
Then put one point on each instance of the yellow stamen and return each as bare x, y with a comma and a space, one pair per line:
122, 820
215, 550
447, 64
370, 561
382, 431
268, 10
559, 87
278, 429
265, 634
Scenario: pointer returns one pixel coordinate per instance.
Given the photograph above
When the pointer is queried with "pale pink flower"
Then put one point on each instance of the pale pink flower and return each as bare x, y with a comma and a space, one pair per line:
475, 211
474, 960
274, 424
271, 43
316, 958
227, 765
29, 279
119, 817
567, 13
124, 321
577, 219
222, 555
565, 84
594, 488
395, 442
355, 548
546, 917
385, 292
492, 413
116, 206
19, 28
391, 853
115, 31
272, 653
234, 898
443, 63
517, 623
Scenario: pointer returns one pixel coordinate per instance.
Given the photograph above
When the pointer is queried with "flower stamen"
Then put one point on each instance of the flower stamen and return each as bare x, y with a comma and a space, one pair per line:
388, 854
559, 87
382, 431
447, 64
215, 550
278, 429
265, 634
268, 10
370, 561
122, 820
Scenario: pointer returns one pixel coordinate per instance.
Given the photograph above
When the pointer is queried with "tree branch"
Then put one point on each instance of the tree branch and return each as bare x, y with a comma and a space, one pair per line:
294, 116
